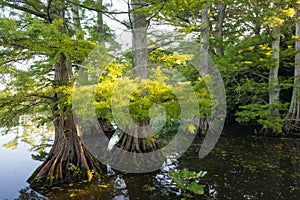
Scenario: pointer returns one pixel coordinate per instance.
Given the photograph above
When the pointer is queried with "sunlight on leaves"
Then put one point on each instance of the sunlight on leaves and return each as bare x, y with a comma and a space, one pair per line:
12, 144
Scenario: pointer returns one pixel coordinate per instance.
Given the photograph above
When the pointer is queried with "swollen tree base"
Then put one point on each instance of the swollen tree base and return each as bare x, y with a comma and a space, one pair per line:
139, 146
268, 132
68, 161
291, 123
291, 126
203, 125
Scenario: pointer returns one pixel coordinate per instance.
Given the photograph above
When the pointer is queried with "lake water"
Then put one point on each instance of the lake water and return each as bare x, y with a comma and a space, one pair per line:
239, 167
16, 167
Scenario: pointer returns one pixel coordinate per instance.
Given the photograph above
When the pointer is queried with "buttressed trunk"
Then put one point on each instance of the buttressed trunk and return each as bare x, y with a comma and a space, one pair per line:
292, 119
68, 159
136, 141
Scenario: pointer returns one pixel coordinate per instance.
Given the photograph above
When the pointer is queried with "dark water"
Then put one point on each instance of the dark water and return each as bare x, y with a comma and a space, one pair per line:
240, 167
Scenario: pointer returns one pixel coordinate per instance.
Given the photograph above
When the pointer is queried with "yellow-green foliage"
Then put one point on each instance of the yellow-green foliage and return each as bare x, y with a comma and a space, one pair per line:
157, 93
166, 86
204, 98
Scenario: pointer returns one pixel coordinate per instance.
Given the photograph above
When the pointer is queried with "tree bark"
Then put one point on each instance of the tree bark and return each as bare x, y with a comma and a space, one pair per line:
68, 159
292, 119
203, 123
139, 42
138, 140
274, 89
105, 124
205, 22
100, 30
221, 16
273, 74
77, 23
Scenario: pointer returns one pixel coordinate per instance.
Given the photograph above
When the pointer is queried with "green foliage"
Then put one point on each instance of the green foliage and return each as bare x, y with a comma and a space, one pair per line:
261, 114
12, 144
41, 156
246, 78
30, 48
73, 168
188, 182
185, 15
147, 187
165, 88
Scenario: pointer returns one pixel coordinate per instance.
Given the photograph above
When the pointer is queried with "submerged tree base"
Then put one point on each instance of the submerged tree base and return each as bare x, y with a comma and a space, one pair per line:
268, 132
67, 161
136, 153
203, 125
291, 126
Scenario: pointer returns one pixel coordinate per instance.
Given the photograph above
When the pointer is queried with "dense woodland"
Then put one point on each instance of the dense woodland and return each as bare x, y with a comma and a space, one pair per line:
45, 44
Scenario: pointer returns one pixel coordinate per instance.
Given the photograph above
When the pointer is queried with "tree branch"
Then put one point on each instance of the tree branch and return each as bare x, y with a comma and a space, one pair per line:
159, 45
97, 9
24, 9
48, 10
160, 9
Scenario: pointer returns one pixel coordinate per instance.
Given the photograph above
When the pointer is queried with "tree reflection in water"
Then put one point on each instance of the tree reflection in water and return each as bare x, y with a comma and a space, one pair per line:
28, 193
39, 137
239, 167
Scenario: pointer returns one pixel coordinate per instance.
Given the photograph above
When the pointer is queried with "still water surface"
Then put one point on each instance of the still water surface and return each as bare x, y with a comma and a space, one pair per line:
16, 167
240, 167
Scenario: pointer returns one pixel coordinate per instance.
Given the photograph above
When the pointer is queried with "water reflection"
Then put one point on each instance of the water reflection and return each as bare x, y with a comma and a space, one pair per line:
240, 167
250, 168
17, 148
29, 194
16, 166
163, 178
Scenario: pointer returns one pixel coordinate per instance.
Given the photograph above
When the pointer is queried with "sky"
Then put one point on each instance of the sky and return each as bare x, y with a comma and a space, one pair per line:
123, 36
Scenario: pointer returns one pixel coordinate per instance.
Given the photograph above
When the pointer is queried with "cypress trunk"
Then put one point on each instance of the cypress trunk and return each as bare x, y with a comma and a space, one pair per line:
221, 16
292, 119
274, 89
137, 141
68, 159
203, 123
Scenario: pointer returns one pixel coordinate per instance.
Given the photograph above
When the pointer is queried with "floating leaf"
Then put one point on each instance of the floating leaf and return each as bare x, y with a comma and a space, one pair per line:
103, 185
194, 187
179, 182
72, 195
187, 174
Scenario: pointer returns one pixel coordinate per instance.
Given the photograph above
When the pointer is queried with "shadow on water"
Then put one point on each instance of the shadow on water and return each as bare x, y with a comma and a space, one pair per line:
239, 167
